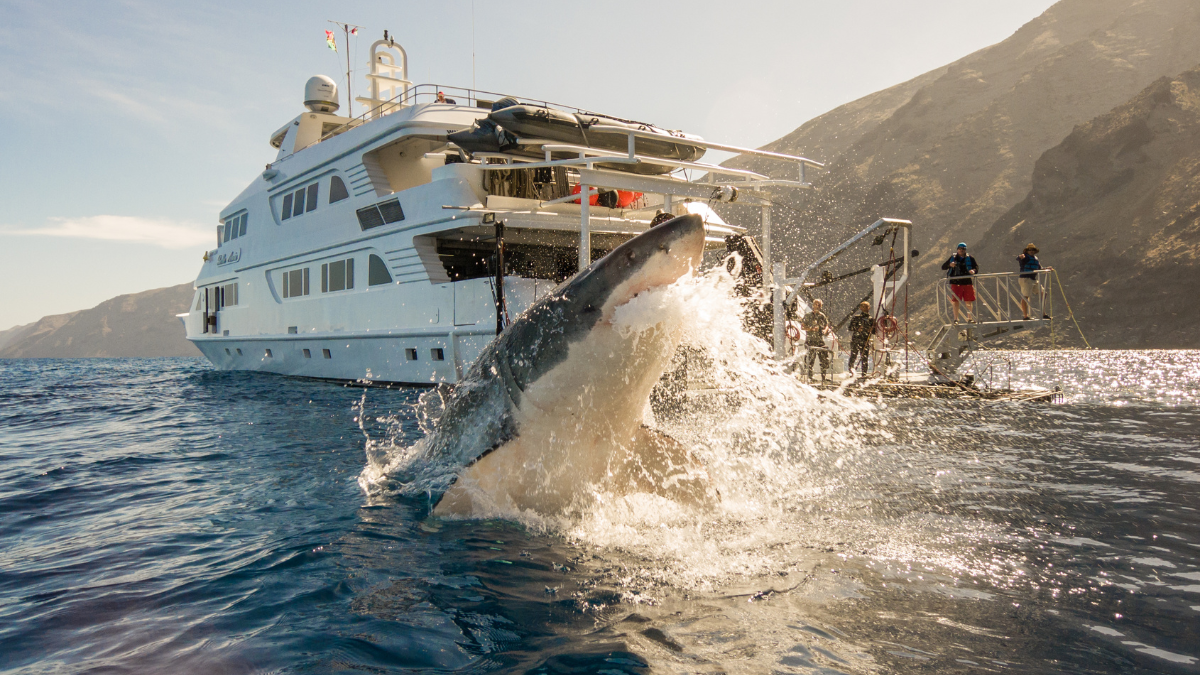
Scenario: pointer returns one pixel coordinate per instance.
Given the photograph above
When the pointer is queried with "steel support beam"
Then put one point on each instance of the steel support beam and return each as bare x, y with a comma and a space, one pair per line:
777, 306
585, 227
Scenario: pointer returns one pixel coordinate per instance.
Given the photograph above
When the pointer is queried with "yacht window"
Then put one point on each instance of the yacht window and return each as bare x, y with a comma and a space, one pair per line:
410, 354
199, 299
226, 235
295, 283
229, 295
235, 227
295, 203
307, 354
337, 276
369, 217
220, 230
392, 213
377, 271
437, 354
337, 190
380, 214
326, 354
312, 197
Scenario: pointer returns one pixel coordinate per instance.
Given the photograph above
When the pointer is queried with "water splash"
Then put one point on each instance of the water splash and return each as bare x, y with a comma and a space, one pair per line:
770, 444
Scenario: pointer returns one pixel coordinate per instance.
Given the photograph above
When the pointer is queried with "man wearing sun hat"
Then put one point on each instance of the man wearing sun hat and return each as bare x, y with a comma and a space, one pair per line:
960, 267
1030, 264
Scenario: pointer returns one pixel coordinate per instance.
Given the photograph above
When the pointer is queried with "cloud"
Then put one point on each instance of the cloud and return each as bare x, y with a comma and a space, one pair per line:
153, 231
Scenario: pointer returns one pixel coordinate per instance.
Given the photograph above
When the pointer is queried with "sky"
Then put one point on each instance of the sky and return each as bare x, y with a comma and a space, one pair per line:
126, 126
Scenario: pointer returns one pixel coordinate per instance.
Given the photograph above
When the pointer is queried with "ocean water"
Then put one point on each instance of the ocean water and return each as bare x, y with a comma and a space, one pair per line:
159, 516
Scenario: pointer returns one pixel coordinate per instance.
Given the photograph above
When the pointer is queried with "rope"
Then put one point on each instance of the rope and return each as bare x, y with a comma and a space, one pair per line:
1069, 311
1050, 297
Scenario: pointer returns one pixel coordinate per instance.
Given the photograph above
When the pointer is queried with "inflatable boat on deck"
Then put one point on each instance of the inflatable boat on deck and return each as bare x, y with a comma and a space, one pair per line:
522, 129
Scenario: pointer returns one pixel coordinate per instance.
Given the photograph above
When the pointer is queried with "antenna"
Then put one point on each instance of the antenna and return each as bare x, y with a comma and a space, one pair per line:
348, 29
472, 46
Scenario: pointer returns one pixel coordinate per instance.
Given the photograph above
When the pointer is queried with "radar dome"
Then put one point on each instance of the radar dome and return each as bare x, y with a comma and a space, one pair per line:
320, 94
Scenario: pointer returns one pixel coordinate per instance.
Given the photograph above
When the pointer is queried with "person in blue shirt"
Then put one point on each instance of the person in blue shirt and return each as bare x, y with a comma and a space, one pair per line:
960, 267
1030, 264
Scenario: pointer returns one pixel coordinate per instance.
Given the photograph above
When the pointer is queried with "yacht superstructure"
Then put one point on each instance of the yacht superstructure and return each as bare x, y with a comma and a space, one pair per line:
379, 248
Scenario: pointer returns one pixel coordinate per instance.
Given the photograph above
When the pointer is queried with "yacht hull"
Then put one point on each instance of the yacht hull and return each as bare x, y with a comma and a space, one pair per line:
415, 359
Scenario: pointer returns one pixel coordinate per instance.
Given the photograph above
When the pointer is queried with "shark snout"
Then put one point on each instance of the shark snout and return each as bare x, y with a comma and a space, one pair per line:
658, 257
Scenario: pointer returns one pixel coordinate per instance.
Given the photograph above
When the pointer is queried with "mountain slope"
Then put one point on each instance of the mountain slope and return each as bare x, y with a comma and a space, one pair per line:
1115, 208
959, 151
137, 325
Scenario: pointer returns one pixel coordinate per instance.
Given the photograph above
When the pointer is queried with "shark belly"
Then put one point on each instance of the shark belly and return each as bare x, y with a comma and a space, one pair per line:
580, 431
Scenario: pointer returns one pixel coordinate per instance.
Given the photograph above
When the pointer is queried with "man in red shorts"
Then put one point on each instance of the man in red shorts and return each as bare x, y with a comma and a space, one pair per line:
959, 270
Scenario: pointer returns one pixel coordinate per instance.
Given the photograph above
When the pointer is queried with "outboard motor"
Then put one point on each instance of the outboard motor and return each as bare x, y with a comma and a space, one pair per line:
486, 135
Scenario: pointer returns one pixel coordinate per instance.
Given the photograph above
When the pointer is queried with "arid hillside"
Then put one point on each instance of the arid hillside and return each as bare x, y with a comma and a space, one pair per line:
954, 149
1116, 209
138, 325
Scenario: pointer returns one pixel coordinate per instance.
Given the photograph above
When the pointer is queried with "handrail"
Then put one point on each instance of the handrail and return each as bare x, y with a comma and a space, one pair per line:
430, 90
998, 294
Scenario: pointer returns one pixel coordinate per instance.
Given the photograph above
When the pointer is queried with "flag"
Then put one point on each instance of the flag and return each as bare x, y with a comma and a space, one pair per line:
354, 31
329, 40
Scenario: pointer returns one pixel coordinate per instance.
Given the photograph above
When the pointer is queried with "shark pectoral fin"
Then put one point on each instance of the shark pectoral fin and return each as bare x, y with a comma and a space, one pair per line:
661, 465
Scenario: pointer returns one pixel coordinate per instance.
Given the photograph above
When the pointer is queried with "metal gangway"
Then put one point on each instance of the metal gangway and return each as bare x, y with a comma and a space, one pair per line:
996, 312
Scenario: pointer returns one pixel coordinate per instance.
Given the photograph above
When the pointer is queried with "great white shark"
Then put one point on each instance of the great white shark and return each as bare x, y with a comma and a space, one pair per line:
552, 411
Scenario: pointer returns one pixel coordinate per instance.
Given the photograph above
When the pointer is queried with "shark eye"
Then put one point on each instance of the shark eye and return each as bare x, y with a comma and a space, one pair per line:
589, 308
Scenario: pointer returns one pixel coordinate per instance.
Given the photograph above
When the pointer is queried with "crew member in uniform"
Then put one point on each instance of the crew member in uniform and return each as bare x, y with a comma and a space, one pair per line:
862, 326
815, 325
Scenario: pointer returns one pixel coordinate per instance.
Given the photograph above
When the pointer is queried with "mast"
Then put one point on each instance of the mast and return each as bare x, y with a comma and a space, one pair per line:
346, 31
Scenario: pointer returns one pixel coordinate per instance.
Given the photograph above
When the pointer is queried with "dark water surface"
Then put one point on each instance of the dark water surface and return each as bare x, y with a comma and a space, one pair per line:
158, 516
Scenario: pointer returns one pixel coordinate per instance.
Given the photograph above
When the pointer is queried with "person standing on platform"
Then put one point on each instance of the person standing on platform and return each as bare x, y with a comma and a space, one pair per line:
960, 267
862, 326
815, 325
1030, 264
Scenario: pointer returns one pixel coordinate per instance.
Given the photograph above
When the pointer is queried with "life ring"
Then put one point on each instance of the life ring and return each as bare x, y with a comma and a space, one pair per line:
887, 326
793, 333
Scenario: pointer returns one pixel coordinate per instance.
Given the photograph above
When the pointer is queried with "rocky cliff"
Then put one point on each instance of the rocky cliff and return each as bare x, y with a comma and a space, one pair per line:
1115, 208
137, 325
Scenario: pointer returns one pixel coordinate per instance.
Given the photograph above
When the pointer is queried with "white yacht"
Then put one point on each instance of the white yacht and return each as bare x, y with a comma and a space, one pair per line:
392, 246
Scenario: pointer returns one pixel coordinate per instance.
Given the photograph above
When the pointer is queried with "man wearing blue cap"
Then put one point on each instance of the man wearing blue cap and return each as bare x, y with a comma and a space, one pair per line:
959, 270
